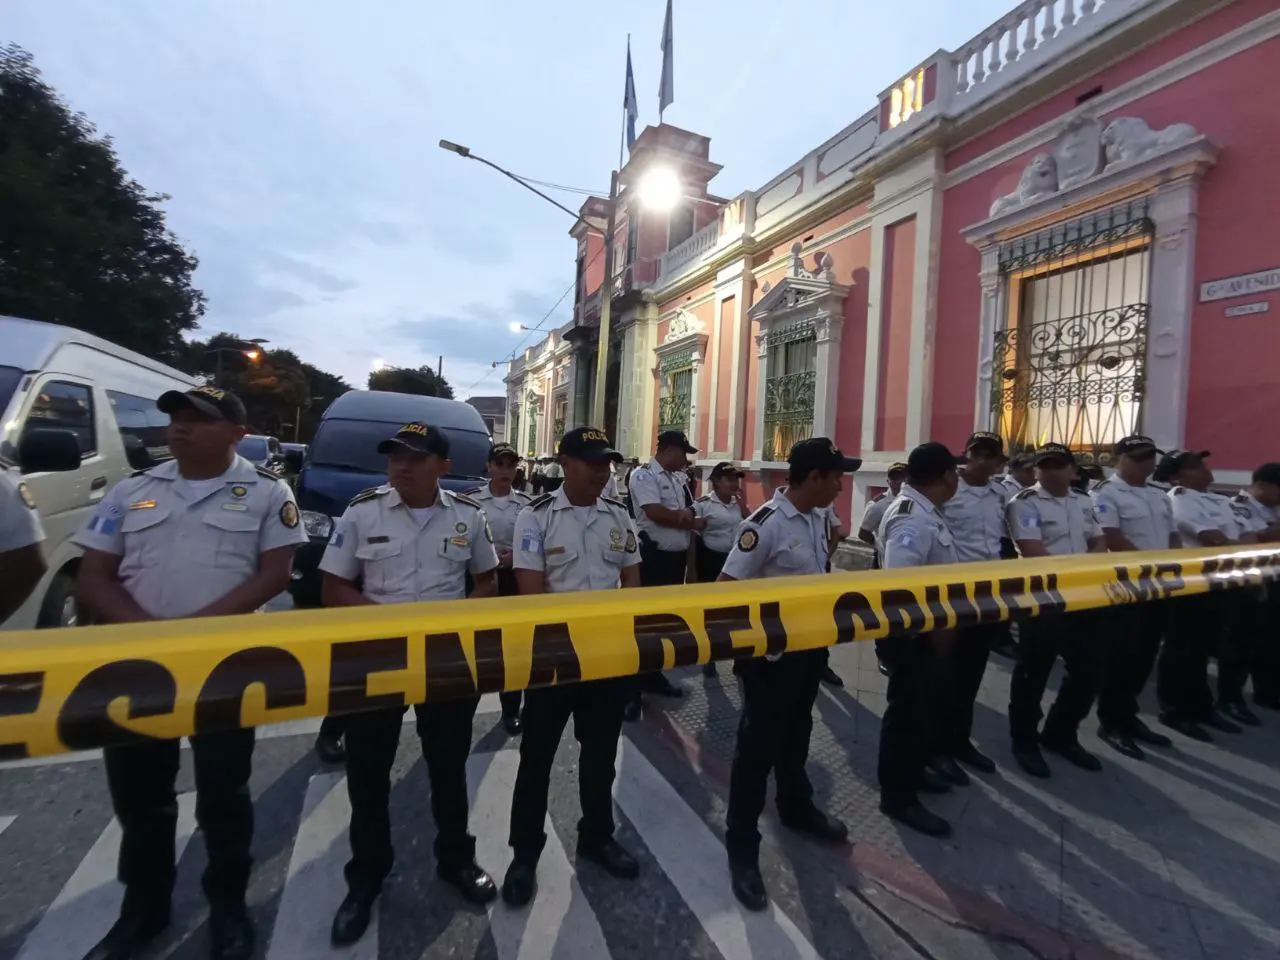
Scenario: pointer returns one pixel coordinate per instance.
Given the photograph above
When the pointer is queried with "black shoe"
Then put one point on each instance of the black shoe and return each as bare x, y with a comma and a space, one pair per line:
974, 758
709, 669
1216, 721
130, 934
659, 684
949, 770
915, 816
748, 885
330, 749
1140, 732
611, 857
352, 918
933, 782
231, 935
511, 723
1266, 701
520, 884
1121, 742
1239, 711
814, 823
1006, 648
474, 884
831, 678
1031, 760
631, 709
1187, 728
882, 667
1071, 751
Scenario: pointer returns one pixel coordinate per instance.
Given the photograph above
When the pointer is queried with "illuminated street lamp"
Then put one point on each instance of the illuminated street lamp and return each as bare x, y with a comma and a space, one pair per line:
252, 355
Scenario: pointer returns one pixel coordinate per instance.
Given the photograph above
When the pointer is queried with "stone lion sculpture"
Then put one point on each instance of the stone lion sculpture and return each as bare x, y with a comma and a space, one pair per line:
1039, 180
1127, 139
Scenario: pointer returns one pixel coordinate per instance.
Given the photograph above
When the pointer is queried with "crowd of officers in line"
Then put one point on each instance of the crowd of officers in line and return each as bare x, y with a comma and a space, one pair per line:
208, 534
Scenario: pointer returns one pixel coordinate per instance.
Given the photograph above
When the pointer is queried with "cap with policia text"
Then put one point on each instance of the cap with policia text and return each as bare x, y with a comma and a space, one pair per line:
985, 439
588, 443
211, 401
419, 438
1053, 451
929, 462
501, 450
725, 469
1134, 446
819, 453
1020, 460
1176, 460
676, 438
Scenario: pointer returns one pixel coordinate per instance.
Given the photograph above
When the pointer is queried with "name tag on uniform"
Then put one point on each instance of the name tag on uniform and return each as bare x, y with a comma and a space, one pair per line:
552, 551
235, 506
142, 505
459, 541
377, 540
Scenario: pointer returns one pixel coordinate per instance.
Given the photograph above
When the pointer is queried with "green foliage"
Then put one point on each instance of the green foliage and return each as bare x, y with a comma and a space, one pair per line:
81, 242
423, 381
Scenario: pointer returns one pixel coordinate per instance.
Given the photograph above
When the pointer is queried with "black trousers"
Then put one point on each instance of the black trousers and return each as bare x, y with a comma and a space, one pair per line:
1266, 665
658, 568
141, 780
372, 738
920, 694
1079, 639
333, 727
966, 665
1182, 681
596, 709
1241, 642
773, 735
708, 563
1136, 632
507, 588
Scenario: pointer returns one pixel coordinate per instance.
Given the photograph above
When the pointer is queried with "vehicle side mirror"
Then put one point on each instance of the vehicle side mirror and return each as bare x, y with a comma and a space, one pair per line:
44, 450
293, 460
136, 453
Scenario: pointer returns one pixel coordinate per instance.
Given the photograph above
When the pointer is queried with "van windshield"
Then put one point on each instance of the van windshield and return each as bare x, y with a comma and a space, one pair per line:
353, 445
10, 377
253, 448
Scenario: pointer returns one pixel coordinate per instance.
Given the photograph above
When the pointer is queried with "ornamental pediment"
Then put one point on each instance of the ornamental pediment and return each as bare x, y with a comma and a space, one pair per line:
801, 289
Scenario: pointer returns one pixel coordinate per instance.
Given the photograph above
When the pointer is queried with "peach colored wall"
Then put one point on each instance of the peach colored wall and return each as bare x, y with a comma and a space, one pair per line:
853, 260
666, 306
723, 365
595, 262
895, 335
1231, 389
747, 429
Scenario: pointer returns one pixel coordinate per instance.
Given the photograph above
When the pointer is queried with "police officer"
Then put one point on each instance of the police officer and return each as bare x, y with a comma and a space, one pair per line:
203, 535
1020, 472
21, 562
914, 533
1258, 509
785, 538
407, 541
663, 509
501, 505
724, 510
975, 517
566, 542
1048, 519
874, 513
1134, 516
1197, 623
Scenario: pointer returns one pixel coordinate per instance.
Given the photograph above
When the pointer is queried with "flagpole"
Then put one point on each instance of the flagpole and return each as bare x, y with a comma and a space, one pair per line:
622, 134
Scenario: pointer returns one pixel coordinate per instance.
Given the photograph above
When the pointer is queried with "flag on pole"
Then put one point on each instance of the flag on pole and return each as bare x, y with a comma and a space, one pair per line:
667, 89
629, 107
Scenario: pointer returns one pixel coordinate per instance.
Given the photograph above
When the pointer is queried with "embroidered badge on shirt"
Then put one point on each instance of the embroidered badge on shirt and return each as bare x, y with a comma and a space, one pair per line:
631, 542
554, 551
107, 519
336, 537
239, 491
531, 542
142, 505
747, 540
460, 541
26, 496
289, 514
460, 527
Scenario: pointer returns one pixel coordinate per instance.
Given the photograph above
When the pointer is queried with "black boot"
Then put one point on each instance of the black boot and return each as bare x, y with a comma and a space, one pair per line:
129, 936
520, 884
748, 885
471, 881
231, 934
352, 918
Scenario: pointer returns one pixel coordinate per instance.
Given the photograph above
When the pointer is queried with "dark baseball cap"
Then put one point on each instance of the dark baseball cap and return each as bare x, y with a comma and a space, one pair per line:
1135, 446
500, 450
1176, 460
819, 453
929, 461
725, 469
896, 467
211, 401
1267, 473
1053, 451
588, 443
987, 439
1020, 460
419, 438
676, 438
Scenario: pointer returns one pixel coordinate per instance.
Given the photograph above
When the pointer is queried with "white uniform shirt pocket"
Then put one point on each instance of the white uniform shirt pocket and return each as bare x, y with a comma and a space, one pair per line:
233, 538
385, 566
146, 542
458, 553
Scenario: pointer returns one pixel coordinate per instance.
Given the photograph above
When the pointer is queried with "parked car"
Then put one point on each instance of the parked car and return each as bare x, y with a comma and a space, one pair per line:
261, 451
57, 379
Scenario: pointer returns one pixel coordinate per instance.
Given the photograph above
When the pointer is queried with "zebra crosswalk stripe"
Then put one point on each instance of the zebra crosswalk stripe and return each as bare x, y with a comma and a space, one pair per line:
89, 902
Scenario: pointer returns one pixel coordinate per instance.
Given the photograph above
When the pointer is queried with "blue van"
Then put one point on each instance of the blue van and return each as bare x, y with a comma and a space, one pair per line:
343, 459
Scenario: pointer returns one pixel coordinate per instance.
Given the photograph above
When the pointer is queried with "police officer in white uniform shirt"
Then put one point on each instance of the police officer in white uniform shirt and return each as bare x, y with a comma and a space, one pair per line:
786, 537
1258, 510
1048, 519
501, 505
203, 535
724, 510
1020, 472
567, 542
21, 562
663, 509
1134, 515
976, 518
407, 541
874, 513
914, 533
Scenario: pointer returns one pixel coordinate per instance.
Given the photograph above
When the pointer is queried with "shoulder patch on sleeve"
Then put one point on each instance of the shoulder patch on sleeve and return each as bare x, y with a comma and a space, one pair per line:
748, 540
537, 503
1024, 493
264, 472
762, 514
463, 498
614, 503
370, 494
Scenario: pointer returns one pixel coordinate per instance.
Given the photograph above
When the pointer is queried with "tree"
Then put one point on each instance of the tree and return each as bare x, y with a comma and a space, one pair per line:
81, 242
423, 381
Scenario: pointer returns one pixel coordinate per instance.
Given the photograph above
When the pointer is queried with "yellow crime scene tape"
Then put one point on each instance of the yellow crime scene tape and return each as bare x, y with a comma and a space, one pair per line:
76, 689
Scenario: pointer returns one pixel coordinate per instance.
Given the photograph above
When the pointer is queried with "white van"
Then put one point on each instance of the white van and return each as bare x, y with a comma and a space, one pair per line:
54, 377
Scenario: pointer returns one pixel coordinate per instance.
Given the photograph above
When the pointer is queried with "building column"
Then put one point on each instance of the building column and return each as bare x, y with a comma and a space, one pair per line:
827, 329
990, 320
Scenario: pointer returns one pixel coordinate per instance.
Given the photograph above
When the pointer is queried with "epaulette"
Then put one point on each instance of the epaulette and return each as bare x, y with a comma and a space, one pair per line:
474, 491
762, 514
905, 506
463, 498
538, 502
264, 472
140, 473
1024, 493
613, 502
1178, 491
520, 493
705, 498
1101, 483
370, 494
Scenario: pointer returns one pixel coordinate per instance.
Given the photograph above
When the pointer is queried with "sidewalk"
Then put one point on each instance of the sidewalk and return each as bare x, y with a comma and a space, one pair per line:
1177, 858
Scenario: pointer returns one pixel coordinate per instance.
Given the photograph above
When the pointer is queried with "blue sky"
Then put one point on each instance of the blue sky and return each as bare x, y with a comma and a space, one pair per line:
297, 139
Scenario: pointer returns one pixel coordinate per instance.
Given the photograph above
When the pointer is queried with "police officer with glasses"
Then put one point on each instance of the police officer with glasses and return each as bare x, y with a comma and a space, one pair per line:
786, 537
407, 541
1133, 515
205, 534
1049, 519
568, 542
